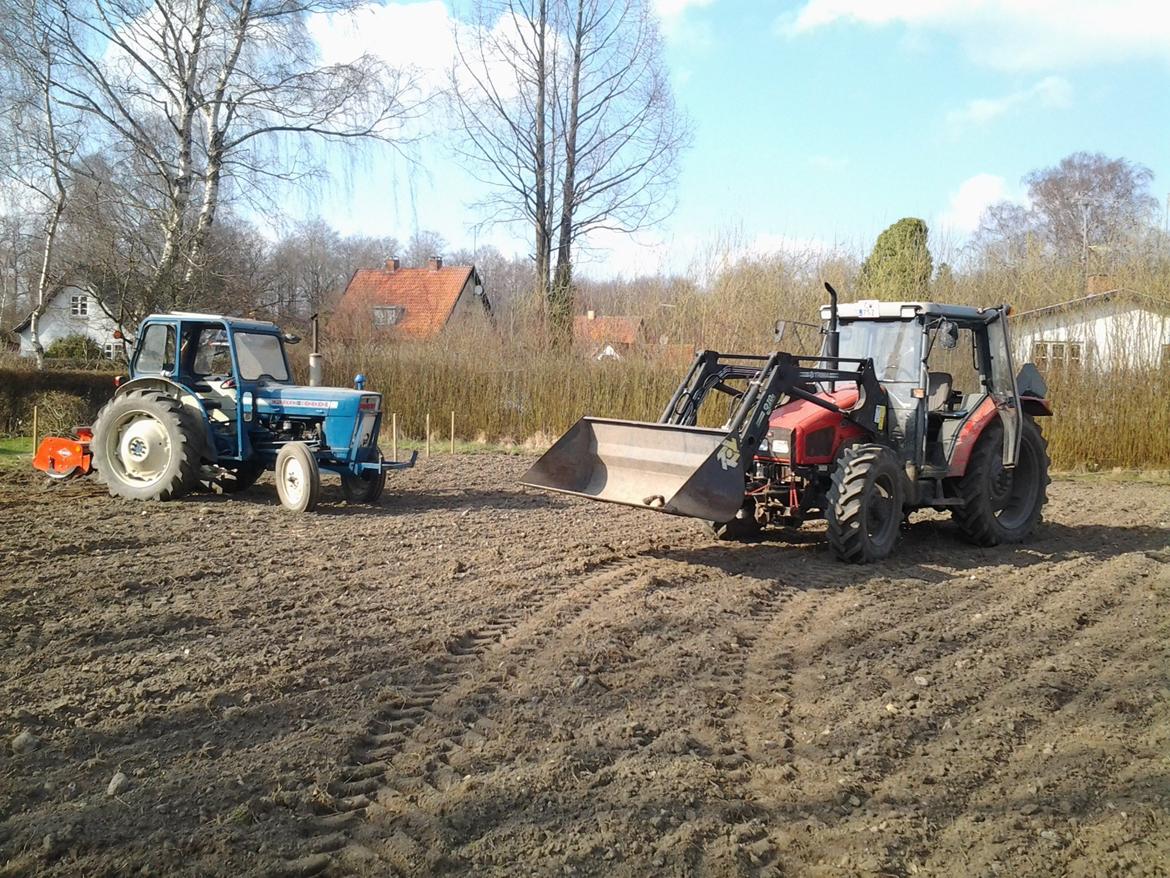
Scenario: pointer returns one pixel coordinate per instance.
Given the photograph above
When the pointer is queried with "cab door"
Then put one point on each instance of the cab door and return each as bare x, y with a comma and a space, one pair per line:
1001, 384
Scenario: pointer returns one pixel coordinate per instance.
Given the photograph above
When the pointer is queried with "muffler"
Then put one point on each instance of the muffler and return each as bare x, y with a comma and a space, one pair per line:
692, 471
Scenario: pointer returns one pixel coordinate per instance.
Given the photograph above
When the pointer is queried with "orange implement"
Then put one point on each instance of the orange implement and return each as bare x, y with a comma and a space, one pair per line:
61, 457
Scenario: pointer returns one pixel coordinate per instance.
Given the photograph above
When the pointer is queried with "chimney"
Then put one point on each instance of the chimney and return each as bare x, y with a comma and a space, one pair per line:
392, 263
435, 263
590, 314
1099, 283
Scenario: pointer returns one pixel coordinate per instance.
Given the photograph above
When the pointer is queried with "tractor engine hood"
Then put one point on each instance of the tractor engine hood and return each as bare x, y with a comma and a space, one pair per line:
352, 418
801, 414
802, 432
301, 400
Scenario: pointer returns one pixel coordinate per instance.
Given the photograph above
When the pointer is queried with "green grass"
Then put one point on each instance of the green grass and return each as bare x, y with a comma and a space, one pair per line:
16, 452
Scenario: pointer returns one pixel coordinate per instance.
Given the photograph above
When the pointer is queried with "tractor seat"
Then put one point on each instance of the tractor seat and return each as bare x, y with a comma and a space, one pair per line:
938, 390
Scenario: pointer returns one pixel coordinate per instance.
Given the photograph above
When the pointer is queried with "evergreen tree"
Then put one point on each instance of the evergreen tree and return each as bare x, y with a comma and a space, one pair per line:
899, 268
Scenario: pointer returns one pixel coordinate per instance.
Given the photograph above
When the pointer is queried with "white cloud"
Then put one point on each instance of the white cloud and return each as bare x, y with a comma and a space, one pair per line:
1013, 34
419, 36
680, 27
1049, 92
970, 200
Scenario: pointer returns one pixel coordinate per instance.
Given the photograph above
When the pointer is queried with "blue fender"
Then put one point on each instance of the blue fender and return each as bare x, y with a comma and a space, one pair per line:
184, 394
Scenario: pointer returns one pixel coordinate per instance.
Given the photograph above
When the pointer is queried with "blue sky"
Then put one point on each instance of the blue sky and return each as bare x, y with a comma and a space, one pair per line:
817, 123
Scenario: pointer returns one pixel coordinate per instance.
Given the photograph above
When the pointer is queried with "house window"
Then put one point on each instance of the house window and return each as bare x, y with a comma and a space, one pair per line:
1050, 355
110, 350
387, 315
79, 305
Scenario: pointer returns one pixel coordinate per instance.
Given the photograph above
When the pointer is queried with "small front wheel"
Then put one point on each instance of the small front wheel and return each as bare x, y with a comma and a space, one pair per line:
366, 488
298, 478
742, 528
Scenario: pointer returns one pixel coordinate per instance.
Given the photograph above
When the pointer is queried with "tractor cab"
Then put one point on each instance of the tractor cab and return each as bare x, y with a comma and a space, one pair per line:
224, 365
939, 366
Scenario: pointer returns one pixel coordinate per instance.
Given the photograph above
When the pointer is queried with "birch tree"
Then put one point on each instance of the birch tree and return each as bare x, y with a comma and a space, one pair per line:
211, 97
38, 142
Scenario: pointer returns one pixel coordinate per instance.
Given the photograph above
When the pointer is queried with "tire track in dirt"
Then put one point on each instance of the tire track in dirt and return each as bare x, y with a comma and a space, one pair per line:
756, 672
377, 769
994, 703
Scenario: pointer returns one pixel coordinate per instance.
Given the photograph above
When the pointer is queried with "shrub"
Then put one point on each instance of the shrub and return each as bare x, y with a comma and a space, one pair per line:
74, 347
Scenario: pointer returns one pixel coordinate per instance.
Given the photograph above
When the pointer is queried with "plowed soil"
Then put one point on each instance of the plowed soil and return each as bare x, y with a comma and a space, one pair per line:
474, 678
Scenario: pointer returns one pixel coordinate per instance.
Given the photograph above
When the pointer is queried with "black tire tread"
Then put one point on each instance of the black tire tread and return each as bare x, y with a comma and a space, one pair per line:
189, 449
973, 519
846, 512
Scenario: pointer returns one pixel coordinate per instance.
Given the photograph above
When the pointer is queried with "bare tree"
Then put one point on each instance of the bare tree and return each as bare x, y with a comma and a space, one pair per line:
422, 246
499, 87
41, 142
622, 133
567, 112
196, 94
1088, 204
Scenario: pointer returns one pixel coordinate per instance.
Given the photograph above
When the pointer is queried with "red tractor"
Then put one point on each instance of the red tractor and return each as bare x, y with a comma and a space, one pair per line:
910, 405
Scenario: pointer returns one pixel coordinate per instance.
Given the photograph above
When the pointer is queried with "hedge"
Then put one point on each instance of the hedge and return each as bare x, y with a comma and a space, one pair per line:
21, 389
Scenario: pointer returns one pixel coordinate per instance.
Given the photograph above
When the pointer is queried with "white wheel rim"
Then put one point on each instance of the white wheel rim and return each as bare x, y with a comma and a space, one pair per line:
293, 478
144, 449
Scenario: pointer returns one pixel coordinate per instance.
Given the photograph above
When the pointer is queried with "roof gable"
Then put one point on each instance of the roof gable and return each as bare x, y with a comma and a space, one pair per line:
427, 296
64, 288
1120, 294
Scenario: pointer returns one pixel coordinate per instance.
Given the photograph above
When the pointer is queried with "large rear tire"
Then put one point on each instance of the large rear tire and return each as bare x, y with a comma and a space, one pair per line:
298, 478
865, 500
1001, 505
144, 447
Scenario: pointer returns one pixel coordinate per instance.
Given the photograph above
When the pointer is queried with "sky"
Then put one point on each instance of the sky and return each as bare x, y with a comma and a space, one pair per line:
816, 123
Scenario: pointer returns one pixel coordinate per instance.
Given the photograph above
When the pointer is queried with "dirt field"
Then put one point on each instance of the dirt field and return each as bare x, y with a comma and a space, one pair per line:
478, 679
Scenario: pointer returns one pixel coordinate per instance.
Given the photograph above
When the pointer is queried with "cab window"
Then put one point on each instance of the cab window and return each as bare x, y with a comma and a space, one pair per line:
156, 353
212, 354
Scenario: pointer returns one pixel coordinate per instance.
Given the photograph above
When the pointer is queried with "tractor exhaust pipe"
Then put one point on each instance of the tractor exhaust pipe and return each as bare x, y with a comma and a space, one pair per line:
833, 339
316, 361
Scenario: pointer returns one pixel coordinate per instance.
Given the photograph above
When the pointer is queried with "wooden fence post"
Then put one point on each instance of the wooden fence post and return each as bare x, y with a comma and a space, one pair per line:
428, 434
394, 437
452, 432
36, 429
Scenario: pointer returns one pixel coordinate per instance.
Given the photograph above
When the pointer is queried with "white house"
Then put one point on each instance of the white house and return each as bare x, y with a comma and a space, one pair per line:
73, 310
1113, 329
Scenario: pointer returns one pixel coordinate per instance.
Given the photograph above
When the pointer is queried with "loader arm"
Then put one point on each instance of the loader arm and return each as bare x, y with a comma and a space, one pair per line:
676, 467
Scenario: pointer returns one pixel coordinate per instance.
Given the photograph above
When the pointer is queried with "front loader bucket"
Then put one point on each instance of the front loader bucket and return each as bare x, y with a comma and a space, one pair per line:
690, 471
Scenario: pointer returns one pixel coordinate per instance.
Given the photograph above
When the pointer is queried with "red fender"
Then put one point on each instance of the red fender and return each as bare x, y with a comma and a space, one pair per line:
969, 434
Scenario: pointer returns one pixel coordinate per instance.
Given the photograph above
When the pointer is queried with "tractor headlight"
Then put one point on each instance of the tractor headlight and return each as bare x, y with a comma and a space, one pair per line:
777, 444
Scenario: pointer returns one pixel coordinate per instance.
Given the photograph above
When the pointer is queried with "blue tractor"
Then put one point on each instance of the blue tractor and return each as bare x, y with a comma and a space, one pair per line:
210, 403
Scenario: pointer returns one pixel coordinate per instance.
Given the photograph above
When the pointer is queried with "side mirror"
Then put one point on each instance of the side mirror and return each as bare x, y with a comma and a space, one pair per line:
949, 335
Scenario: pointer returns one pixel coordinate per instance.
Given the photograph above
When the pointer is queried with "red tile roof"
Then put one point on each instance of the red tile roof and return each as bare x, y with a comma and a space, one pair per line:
427, 297
607, 330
